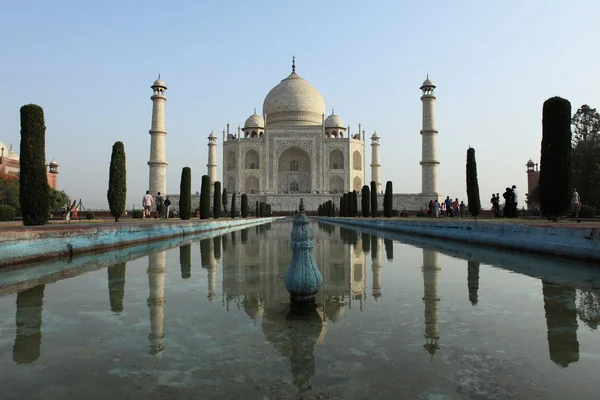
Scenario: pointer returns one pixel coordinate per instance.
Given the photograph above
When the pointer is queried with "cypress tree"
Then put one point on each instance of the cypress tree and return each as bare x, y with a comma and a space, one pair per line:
472, 184
263, 210
556, 174
233, 209
256, 210
244, 205
117, 181
342, 205
217, 202
205, 197
388, 199
354, 203
34, 192
331, 209
366, 201
185, 194
224, 199
374, 199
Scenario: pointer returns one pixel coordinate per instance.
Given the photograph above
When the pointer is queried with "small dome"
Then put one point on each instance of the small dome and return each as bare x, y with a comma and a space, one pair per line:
212, 136
159, 83
375, 136
427, 83
53, 163
530, 163
254, 121
334, 121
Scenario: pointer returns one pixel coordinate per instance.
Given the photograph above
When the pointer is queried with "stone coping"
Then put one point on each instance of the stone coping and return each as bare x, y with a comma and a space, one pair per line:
568, 240
20, 244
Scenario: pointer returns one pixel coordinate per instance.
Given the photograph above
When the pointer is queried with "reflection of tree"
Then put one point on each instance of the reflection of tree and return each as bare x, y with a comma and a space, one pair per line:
473, 280
588, 307
349, 236
561, 322
224, 241
205, 252
366, 243
244, 235
185, 260
116, 286
217, 247
29, 323
374, 247
389, 249
233, 234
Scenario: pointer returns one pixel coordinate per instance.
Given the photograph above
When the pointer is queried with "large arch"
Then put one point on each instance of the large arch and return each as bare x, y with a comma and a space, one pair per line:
357, 184
336, 159
252, 160
251, 185
230, 161
336, 184
294, 171
231, 184
356, 160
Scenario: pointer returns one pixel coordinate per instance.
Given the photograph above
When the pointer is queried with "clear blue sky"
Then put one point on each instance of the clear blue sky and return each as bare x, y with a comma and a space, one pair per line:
90, 65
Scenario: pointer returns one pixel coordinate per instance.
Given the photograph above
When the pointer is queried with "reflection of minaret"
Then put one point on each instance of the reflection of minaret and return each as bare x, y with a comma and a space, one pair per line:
185, 260
473, 280
561, 322
210, 264
156, 301
431, 268
376, 267
116, 286
29, 323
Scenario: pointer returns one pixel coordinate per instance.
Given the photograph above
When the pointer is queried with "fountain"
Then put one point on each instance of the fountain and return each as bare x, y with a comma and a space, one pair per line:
303, 278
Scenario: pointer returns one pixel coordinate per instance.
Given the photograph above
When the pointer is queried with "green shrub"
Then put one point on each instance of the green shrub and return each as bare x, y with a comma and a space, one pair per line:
556, 172
586, 212
472, 184
185, 194
90, 215
138, 214
7, 213
117, 181
205, 197
33, 181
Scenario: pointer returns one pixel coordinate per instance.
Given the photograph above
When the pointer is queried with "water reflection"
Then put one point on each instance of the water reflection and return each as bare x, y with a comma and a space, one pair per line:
561, 321
116, 286
431, 298
28, 340
156, 301
185, 261
588, 307
473, 281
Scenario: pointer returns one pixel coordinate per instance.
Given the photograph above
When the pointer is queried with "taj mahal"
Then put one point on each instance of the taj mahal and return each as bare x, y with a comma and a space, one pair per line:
293, 149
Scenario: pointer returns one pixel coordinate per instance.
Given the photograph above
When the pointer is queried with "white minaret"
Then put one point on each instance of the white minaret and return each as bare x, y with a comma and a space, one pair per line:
431, 297
376, 266
156, 301
212, 160
429, 161
375, 165
158, 152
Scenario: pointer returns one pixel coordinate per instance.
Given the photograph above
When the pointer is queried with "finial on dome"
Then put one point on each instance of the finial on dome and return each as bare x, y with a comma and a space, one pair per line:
10, 147
332, 110
301, 206
254, 110
427, 76
293, 63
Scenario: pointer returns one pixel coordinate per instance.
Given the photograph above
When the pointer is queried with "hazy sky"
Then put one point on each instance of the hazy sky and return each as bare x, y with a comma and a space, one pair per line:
90, 66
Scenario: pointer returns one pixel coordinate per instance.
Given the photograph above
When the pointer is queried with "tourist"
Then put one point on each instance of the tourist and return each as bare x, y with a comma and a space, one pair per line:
575, 203
455, 207
167, 207
495, 205
448, 205
463, 209
147, 204
436, 208
430, 209
515, 201
508, 203
159, 205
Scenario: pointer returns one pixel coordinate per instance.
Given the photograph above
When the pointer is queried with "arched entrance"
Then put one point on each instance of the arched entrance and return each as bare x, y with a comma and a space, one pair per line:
294, 171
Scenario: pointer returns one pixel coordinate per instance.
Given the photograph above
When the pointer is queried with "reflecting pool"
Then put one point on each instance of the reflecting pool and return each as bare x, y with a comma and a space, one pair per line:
209, 318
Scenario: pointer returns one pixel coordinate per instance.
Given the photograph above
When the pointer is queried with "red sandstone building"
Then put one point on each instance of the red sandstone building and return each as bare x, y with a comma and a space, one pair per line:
10, 164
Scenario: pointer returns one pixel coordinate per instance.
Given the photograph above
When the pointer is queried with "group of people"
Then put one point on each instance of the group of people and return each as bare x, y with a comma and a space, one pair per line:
511, 202
163, 205
447, 208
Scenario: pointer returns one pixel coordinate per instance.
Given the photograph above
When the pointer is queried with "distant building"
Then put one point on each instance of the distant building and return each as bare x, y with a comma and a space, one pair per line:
10, 164
533, 178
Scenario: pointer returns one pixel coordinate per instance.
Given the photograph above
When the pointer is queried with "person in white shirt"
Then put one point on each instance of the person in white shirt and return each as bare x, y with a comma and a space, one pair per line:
147, 203
515, 199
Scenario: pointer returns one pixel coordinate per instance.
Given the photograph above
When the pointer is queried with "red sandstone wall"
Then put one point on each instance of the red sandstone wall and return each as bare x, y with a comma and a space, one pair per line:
51, 180
532, 180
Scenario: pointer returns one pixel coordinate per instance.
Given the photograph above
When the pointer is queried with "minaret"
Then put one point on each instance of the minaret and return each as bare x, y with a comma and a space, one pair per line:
376, 267
429, 161
212, 160
156, 302
158, 156
431, 297
375, 165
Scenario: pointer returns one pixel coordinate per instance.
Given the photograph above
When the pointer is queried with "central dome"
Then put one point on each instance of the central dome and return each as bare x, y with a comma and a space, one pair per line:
294, 100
